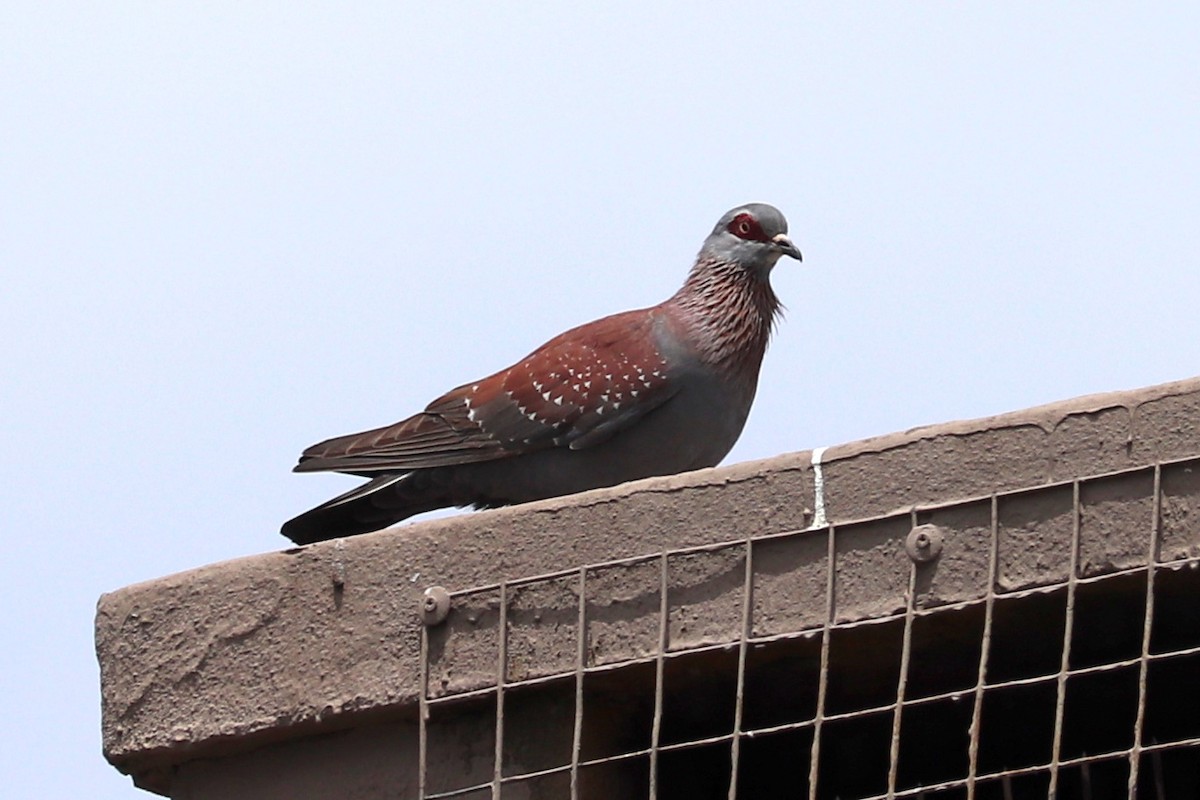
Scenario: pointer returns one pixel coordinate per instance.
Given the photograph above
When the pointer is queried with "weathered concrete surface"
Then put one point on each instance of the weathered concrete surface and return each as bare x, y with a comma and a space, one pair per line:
267, 646
263, 650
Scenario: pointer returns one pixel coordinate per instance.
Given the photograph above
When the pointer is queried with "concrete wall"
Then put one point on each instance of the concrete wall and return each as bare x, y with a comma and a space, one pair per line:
300, 673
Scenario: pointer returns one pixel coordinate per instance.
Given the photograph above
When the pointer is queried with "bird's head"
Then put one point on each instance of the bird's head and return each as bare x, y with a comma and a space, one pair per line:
753, 235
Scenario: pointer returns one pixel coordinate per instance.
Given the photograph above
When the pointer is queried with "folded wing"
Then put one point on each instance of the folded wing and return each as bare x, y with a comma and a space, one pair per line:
576, 391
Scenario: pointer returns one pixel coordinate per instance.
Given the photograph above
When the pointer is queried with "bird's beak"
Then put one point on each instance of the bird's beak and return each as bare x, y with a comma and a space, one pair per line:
786, 246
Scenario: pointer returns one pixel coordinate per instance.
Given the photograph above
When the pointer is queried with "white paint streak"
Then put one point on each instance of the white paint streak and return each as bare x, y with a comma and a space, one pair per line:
819, 520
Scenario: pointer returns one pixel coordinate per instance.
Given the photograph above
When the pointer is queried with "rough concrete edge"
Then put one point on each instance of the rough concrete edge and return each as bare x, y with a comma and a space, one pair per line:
1047, 417
151, 766
701, 478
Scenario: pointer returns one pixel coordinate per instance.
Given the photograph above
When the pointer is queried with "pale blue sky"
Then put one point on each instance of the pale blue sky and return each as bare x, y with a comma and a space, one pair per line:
230, 230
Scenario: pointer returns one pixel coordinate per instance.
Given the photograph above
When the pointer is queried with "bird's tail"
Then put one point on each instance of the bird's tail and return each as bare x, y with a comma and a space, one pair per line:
376, 504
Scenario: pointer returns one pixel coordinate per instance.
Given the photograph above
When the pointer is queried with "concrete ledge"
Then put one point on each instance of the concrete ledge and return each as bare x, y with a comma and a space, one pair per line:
230, 657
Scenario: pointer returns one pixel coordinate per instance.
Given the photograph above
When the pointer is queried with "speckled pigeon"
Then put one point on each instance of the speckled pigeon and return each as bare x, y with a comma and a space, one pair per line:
650, 392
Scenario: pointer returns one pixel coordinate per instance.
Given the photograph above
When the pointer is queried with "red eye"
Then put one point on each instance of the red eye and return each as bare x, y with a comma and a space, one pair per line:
745, 226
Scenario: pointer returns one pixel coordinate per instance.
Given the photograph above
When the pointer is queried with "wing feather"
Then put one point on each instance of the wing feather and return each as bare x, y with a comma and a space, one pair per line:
577, 390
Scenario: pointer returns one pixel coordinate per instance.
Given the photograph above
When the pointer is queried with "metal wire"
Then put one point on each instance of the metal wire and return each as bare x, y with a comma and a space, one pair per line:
743, 647
1147, 621
1139, 757
659, 672
580, 660
1061, 686
814, 766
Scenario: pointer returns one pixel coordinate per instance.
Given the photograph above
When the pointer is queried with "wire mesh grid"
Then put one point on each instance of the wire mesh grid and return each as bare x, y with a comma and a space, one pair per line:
1051, 649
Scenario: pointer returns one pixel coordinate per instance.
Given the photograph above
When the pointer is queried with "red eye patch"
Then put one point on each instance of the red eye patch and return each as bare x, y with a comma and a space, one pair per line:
745, 226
